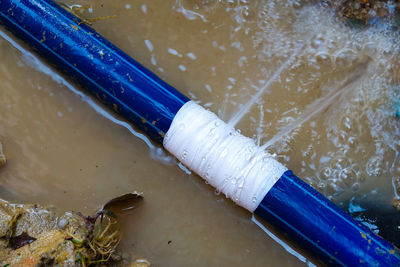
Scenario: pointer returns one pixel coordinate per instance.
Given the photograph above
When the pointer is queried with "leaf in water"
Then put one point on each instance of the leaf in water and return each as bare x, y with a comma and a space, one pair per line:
122, 204
21, 240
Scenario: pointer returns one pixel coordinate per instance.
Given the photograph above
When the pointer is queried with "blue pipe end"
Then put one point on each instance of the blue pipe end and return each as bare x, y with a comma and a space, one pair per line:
323, 229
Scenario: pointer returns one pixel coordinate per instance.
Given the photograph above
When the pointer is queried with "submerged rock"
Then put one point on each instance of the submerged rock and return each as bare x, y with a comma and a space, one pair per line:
32, 235
47, 244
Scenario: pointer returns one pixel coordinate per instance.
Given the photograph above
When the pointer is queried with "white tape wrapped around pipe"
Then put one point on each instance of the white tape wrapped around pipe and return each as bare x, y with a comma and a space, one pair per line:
227, 160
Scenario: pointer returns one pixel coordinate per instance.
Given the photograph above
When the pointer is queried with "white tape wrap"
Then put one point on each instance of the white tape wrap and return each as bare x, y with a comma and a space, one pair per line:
227, 160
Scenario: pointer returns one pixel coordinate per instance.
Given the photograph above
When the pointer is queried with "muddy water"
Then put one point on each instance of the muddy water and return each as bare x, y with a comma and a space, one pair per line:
329, 115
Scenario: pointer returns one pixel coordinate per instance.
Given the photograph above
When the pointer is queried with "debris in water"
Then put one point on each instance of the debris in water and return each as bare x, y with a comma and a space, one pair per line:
78, 9
122, 203
21, 240
396, 203
32, 235
364, 12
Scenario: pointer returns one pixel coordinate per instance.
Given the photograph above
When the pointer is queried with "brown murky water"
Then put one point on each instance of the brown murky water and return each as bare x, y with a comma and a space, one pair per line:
329, 116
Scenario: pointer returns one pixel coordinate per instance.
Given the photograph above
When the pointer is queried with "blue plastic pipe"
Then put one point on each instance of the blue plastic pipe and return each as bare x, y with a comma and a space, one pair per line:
306, 216
321, 227
115, 78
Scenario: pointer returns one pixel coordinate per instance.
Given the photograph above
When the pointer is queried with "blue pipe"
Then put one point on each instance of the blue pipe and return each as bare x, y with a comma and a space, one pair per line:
108, 73
321, 227
151, 104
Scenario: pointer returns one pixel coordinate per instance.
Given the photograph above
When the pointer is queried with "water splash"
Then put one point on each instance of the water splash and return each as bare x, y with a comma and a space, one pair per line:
318, 105
249, 104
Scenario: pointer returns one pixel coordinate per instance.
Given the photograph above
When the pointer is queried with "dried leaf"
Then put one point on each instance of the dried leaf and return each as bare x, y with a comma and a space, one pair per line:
122, 204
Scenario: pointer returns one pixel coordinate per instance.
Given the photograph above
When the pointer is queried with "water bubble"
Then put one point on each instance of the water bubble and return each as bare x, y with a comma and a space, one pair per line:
217, 123
212, 131
345, 58
348, 176
333, 189
340, 162
206, 5
374, 166
325, 173
355, 187
182, 126
332, 44
370, 49
317, 42
230, 3
217, 192
308, 152
323, 59
262, 14
264, 24
184, 154
352, 141
240, 180
347, 124
343, 136
321, 186
254, 199
296, 5
246, 13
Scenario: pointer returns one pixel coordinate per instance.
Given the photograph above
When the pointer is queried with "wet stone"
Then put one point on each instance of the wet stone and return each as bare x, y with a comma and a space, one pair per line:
364, 12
